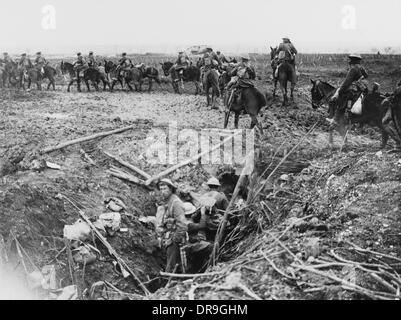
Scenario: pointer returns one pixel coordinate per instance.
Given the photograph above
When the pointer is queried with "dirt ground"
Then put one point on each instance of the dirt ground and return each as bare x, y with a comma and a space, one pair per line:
345, 196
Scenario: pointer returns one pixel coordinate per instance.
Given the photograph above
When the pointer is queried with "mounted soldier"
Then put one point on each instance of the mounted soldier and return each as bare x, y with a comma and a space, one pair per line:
92, 63
24, 64
286, 53
351, 89
182, 63
80, 64
124, 65
7, 58
173, 226
40, 62
209, 61
221, 58
242, 76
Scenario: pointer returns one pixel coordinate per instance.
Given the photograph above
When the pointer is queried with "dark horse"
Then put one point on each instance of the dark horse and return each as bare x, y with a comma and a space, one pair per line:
113, 74
373, 112
191, 74
33, 74
251, 101
211, 81
152, 74
286, 73
11, 74
89, 74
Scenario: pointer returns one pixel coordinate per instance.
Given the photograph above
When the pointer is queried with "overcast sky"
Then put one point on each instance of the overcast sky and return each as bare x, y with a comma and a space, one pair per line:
166, 25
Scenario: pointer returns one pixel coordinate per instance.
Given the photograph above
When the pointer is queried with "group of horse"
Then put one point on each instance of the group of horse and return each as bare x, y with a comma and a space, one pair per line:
379, 110
12, 75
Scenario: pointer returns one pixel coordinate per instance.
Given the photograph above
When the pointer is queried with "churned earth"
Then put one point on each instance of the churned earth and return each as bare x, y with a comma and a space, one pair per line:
333, 205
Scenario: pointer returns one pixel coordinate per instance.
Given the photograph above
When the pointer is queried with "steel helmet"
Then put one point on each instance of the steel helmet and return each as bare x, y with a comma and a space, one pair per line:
167, 182
189, 208
355, 56
245, 57
213, 182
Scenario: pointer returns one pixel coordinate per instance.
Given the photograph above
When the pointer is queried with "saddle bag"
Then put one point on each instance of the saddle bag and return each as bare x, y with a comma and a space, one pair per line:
357, 107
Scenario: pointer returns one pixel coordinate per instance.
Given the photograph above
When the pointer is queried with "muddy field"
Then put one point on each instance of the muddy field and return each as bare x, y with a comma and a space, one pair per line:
340, 202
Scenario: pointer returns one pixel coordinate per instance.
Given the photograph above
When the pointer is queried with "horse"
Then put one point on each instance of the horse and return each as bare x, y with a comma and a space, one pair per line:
373, 112
251, 101
286, 73
134, 75
152, 74
31, 74
274, 65
113, 74
190, 74
50, 74
89, 74
211, 81
10, 74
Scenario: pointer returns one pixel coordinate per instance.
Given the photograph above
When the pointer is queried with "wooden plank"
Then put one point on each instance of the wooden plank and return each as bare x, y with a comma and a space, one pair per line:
84, 139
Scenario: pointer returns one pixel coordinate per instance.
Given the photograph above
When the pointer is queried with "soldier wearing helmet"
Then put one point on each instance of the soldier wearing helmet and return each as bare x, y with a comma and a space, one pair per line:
287, 51
242, 76
182, 63
173, 225
92, 63
40, 62
350, 90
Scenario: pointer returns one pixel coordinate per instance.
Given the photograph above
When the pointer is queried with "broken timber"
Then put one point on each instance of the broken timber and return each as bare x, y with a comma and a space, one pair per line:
84, 139
123, 266
127, 165
186, 162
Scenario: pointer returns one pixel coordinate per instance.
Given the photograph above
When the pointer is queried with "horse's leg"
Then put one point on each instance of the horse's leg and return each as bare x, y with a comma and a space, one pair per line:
207, 96
87, 84
275, 88
292, 91
150, 84
283, 88
226, 118
236, 120
197, 88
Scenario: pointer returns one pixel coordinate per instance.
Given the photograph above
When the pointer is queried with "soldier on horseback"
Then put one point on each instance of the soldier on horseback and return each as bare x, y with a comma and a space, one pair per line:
351, 89
182, 63
286, 53
7, 58
221, 58
241, 78
24, 64
92, 63
124, 64
40, 62
209, 61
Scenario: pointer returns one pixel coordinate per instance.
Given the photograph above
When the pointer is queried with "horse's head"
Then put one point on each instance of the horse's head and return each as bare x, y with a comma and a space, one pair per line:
273, 53
166, 66
320, 92
316, 93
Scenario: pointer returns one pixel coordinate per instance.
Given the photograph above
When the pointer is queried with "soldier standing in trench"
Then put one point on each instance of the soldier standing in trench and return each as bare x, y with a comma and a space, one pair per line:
173, 225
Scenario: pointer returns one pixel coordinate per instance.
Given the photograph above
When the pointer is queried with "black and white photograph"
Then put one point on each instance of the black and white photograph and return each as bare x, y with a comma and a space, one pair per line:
200, 156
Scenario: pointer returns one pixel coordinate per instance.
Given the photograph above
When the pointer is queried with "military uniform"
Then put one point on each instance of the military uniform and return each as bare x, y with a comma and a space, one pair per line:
40, 63
198, 248
241, 78
173, 230
24, 63
287, 52
221, 58
352, 87
92, 63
